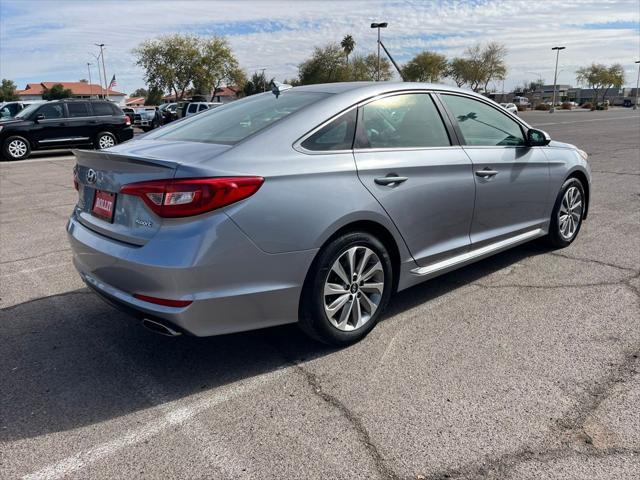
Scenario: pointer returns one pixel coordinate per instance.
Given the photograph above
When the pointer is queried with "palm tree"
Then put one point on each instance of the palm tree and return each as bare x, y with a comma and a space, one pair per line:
348, 44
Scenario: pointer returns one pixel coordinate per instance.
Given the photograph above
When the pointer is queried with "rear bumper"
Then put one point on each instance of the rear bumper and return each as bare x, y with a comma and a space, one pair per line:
125, 134
233, 285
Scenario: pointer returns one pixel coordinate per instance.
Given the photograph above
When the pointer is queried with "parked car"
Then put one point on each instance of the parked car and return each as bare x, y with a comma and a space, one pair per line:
168, 112
510, 107
63, 124
315, 205
11, 109
521, 101
145, 118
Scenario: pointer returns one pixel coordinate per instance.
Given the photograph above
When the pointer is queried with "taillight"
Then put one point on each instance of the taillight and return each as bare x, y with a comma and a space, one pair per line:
184, 197
163, 301
75, 179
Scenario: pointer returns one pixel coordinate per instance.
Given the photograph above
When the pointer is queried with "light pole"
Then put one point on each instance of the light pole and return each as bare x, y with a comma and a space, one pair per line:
104, 72
379, 26
555, 79
97, 57
635, 106
90, 85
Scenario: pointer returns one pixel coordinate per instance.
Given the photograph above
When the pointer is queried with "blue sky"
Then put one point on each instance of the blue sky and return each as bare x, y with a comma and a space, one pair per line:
52, 40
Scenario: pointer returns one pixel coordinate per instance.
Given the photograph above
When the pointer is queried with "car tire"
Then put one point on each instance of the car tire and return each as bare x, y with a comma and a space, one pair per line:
339, 313
105, 140
16, 148
568, 212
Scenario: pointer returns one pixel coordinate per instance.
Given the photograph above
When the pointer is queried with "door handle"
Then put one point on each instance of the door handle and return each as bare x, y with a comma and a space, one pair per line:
391, 179
486, 173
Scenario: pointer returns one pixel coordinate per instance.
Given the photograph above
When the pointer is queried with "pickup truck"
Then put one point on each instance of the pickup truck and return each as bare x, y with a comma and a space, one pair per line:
146, 118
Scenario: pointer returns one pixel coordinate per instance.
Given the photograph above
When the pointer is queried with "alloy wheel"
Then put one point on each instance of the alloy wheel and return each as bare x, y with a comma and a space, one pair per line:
570, 213
17, 148
106, 141
353, 288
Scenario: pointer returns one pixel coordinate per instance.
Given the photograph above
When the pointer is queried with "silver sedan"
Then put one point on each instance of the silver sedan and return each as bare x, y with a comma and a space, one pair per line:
314, 205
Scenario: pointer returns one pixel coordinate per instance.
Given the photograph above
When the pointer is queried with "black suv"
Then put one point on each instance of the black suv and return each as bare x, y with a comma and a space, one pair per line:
63, 124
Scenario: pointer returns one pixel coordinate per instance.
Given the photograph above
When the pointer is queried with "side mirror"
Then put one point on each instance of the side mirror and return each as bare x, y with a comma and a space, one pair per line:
537, 138
39, 117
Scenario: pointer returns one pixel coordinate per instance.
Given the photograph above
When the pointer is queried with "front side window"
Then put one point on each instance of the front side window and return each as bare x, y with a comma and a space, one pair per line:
402, 121
231, 123
52, 111
482, 124
80, 109
203, 107
336, 135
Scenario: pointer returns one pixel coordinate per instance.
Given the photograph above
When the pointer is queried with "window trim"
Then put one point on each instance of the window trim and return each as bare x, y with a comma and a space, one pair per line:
523, 127
449, 126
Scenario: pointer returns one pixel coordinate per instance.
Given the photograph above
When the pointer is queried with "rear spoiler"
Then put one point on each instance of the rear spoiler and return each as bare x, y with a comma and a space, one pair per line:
83, 156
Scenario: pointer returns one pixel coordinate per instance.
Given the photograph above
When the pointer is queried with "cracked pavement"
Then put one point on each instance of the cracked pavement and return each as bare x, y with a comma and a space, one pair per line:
522, 366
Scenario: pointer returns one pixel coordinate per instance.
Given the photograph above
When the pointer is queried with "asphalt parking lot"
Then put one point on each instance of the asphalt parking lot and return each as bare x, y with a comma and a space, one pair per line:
522, 366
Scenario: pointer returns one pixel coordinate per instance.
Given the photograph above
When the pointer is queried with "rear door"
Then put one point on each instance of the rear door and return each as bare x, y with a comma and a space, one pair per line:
81, 124
51, 130
512, 179
407, 158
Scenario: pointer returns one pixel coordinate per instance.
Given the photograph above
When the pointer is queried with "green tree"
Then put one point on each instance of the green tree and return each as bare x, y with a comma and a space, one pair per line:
217, 65
170, 62
459, 70
493, 63
601, 78
140, 92
365, 68
8, 91
153, 96
425, 67
56, 92
258, 83
348, 44
326, 65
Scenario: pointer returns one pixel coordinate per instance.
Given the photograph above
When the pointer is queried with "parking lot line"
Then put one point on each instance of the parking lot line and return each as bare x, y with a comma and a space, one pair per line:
174, 416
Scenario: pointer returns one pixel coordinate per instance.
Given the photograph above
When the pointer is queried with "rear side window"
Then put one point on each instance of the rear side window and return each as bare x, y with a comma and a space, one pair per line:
80, 109
402, 121
336, 135
52, 111
482, 124
231, 123
101, 109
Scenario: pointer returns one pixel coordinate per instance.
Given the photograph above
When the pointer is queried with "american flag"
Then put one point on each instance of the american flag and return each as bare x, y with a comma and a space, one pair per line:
112, 83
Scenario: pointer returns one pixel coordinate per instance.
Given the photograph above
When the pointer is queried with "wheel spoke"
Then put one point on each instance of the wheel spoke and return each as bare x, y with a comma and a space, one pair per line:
345, 315
364, 261
334, 289
336, 304
371, 307
377, 287
377, 267
337, 268
357, 314
351, 262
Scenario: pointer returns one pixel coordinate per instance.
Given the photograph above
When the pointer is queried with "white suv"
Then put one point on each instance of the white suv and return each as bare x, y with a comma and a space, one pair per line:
195, 107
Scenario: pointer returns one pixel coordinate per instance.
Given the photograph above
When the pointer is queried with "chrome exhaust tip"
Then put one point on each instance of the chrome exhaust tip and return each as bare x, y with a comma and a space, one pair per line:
160, 328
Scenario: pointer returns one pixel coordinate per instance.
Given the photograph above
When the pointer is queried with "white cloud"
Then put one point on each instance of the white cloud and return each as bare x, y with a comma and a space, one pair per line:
50, 40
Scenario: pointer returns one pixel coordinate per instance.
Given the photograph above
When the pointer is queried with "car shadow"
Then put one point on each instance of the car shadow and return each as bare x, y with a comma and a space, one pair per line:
70, 360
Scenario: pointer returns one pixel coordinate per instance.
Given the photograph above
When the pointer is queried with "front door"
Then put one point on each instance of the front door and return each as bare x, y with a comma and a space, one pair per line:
82, 125
424, 181
51, 130
512, 179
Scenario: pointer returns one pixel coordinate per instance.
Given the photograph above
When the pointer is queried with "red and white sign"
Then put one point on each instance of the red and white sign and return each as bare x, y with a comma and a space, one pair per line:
103, 204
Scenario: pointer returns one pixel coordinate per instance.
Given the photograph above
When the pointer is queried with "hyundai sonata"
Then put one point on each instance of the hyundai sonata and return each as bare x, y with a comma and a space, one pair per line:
314, 205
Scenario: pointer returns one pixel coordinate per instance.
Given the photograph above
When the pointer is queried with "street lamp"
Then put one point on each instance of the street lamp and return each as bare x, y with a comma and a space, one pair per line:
90, 85
379, 26
635, 106
104, 72
555, 79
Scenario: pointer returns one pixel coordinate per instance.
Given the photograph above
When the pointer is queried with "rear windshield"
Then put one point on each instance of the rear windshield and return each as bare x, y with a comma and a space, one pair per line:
231, 123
